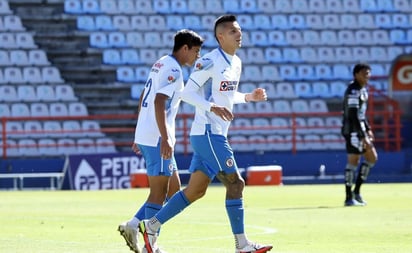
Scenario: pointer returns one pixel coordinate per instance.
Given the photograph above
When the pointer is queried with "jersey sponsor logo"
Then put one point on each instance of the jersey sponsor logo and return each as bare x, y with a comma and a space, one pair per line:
228, 85
158, 65
173, 76
203, 63
229, 162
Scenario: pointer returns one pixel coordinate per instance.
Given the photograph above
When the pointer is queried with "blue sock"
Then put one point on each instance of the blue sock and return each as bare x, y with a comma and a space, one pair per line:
235, 211
151, 210
175, 205
140, 215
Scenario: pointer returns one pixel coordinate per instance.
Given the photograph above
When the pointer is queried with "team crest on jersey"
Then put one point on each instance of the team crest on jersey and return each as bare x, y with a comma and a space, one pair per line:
228, 85
203, 63
170, 167
229, 162
173, 76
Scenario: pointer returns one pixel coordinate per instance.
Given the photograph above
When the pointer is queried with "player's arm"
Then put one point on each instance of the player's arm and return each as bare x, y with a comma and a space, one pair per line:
166, 148
135, 148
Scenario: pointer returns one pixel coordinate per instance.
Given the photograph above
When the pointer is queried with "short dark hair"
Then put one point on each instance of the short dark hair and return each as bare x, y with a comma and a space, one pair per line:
223, 19
186, 37
360, 66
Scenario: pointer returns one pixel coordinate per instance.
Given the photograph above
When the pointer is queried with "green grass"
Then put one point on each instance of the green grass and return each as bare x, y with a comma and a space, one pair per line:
304, 218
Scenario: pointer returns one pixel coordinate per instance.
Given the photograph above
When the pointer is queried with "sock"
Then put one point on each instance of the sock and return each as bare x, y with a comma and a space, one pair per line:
140, 215
362, 175
175, 205
348, 191
240, 240
151, 210
235, 211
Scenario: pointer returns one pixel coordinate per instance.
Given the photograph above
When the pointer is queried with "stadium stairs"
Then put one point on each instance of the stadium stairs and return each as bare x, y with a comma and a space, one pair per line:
80, 65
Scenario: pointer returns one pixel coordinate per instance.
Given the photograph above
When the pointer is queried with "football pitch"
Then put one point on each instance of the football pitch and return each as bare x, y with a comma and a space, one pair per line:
294, 218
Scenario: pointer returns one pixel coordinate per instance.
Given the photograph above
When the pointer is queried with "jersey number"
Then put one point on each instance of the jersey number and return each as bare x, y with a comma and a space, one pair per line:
148, 87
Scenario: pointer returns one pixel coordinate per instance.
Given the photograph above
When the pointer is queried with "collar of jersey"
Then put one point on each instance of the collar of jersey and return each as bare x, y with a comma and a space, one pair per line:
225, 55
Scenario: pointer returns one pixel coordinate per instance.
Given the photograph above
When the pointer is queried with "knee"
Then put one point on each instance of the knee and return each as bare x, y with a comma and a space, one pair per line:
235, 189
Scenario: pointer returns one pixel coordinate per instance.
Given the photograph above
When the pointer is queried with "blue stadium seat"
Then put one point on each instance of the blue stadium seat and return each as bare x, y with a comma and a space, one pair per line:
45, 93
58, 109
157, 23
273, 55
276, 38
175, 22
321, 89
20, 110
314, 21
27, 93
33, 128
111, 56
134, 39
349, 21
288, 72
148, 56
130, 56
27, 147
4, 58
294, 38
311, 37
8, 40
51, 74
19, 57
266, 6
337, 88
192, 22
306, 72
12, 23
378, 53
303, 90
398, 36
161, 6
383, 20
326, 54
402, 5
179, 6
366, 21
196, 7
85, 23
38, 57
126, 7
72, 128
323, 72
252, 73
117, 39
77, 109
4, 110
393, 52
297, 21
262, 21
246, 21
318, 105
316, 6
332, 21
270, 73
104, 22
144, 7
139, 23
363, 37
309, 54
259, 38
154, 39
249, 6
280, 21
25, 40
345, 53
341, 72
99, 40
39, 110
64, 92
231, 6
125, 74
334, 6
91, 6
256, 55
347, 37
32, 75
381, 37
13, 75
142, 73
8, 93
121, 22
400, 20
85, 146
109, 6
213, 6
73, 7
329, 37
300, 6
369, 6
283, 6
285, 90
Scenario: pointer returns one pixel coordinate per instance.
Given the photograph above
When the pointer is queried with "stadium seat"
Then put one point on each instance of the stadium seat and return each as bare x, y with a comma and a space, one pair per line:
12, 148
257, 142
313, 142
308, 54
117, 39
144, 7
51, 74
269, 87
285, 90
110, 6
303, 90
300, 106
153, 39
294, 38
252, 73
262, 21
139, 23
323, 72
400, 20
281, 125
329, 37
381, 37
73, 7
273, 55
4, 58
33, 128
14, 129
297, 21
8, 93
8, 40
258, 38
347, 37
161, 6
85, 146
121, 23
245, 108
288, 72
91, 6
277, 142
99, 40
332, 21
316, 6
77, 109
39, 110
231, 6
280, 21
72, 128
247, 21
241, 126
12, 23
351, 6
248, 6
27, 93
19, 57
134, 39
314, 21
311, 37
91, 128
299, 123
239, 143
261, 125
65, 92
179, 6
399, 37
341, 71
126, 7
318, 105
401, 5
333, 141
157, 23
38, 57
32, 75
265, 6
369, 6
337, 88
345, 53
112, 57
4, 110
264, 107
174, 22
105, 145
192, 21
66, 146
393, 52
269, 73
58, 109
25, 40
148, 56
125, 74
86, 23
291, 55
142, 73
333, 123
129, 56
47, 147
378, 54
316, 125
20, 110
383, 20
334, 6
321, 89
349, 21
13, 75
282, 106
306, 72
326, 54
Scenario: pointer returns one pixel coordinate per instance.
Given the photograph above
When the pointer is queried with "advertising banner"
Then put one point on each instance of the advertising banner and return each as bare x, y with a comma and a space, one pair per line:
101, 172
401, 74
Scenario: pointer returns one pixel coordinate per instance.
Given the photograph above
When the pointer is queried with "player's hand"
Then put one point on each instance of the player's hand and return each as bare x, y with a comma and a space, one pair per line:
166, 149
222, 112
371, 136
257, 94
136, 149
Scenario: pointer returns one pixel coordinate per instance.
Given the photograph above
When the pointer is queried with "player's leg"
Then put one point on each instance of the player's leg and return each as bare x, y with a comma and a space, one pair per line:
354, 149
174, 185
371, 157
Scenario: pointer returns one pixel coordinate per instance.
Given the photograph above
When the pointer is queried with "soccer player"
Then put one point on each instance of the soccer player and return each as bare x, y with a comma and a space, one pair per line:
358, 134
212, 89
155, 129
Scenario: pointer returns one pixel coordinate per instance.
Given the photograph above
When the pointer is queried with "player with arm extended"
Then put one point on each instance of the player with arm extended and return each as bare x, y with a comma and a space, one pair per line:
155, 128
358, 134
212, 89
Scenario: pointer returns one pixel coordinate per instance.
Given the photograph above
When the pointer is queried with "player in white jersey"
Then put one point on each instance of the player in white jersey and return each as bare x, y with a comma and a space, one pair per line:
212, 89
155, 128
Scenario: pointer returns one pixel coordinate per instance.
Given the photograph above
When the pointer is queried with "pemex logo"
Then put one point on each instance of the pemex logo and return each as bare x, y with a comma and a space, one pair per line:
86, 178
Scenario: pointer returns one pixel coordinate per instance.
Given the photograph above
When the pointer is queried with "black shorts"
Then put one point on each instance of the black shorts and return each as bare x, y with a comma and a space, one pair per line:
354, 144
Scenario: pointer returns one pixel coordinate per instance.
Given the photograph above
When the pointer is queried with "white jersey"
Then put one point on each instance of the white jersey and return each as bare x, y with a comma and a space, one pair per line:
166, 78
214, 80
